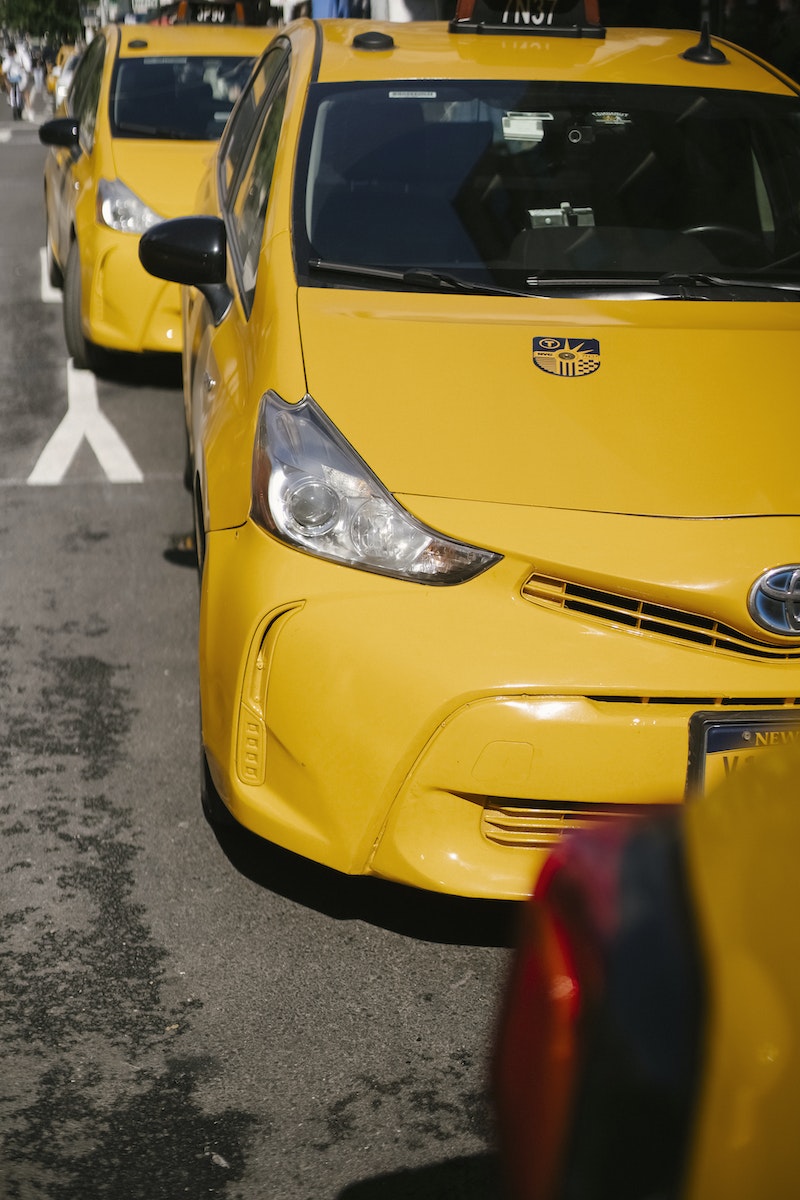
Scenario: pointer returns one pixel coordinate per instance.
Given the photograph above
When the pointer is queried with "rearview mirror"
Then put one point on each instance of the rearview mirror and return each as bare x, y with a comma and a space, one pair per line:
191, 251
61, 131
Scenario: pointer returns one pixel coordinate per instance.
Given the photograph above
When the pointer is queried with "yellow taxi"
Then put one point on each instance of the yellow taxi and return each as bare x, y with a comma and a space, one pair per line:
489, 341
647, 1044
65, 52
144, 110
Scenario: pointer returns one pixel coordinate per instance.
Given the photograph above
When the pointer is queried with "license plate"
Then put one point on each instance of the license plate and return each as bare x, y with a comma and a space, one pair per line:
721, 745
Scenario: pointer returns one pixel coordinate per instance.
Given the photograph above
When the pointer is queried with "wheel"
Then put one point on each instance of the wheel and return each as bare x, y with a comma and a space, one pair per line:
214, 810
54, 273
199, 528
188, 467
84, 354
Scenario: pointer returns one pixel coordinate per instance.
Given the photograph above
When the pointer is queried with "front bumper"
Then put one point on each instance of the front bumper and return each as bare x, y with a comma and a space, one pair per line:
123, 307
440, 737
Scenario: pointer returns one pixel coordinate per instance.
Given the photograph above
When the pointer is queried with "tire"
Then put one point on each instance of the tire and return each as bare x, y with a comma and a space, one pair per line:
199, 529
54, 273
214, 810
83, 353
188, 468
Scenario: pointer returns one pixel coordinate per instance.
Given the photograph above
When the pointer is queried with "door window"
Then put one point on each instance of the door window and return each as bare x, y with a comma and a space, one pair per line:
250, 197
85, 94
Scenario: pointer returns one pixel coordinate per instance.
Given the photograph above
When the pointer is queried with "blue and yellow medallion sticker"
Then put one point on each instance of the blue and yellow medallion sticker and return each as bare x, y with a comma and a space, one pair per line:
568, 357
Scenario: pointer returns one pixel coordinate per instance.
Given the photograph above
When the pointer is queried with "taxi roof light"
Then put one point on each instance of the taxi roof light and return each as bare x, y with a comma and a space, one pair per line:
538, 18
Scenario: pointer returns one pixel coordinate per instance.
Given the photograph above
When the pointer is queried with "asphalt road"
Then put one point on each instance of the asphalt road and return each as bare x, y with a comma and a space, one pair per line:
181, 1017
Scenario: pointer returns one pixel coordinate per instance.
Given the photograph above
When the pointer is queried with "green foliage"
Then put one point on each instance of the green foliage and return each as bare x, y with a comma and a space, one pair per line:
57, 20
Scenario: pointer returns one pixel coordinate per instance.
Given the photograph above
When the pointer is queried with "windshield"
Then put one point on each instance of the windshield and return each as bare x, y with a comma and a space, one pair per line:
514, 182
188, 97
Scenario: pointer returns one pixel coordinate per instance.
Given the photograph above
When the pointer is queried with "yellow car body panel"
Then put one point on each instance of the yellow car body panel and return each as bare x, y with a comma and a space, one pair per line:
742, 852
461, 731
428, 50
480, 351
122, 307
247, 353
445, 736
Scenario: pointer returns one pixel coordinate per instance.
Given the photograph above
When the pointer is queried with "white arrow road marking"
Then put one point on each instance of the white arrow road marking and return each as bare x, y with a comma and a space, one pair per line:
50, 295
83, 419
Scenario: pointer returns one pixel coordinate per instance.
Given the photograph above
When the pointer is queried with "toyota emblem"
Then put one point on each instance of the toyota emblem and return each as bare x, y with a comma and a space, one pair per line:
774, 601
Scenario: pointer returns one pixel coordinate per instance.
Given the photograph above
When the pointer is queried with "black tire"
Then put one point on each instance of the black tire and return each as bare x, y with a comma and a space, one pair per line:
199, 528
83, 353
54, 273
188, 468
214, 810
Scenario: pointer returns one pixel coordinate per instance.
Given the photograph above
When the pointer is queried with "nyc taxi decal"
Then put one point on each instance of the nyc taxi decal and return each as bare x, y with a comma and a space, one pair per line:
568, 357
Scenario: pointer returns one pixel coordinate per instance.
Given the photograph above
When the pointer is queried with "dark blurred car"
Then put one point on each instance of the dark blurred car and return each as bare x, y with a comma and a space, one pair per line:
648, 1046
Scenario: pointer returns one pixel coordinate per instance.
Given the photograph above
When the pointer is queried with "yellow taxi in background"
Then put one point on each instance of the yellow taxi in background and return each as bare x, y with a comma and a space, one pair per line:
648, 1039
146, 104
54, 74
489, 350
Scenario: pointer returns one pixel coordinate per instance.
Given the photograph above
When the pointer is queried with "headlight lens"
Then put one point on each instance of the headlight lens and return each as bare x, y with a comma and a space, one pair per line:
312, 490
121, 209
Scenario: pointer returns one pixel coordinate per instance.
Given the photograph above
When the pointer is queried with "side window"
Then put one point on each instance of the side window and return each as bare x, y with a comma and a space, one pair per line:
239, 133
86, 90
248, 210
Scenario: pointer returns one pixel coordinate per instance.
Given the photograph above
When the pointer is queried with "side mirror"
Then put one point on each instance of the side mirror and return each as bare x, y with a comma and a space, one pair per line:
61, 131
192, 251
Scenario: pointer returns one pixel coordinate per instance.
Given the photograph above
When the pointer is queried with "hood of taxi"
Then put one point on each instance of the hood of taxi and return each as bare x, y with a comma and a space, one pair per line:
683, 408
165, 175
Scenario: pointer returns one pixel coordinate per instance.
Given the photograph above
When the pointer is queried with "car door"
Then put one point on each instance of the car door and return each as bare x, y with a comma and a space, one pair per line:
220, 356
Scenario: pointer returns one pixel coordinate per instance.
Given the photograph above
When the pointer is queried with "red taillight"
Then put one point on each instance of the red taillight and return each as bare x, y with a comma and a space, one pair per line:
598, 1055
535, 1061
555, 981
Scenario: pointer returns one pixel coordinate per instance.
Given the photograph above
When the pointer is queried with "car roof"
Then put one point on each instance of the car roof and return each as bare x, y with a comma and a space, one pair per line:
421, 50
142, 40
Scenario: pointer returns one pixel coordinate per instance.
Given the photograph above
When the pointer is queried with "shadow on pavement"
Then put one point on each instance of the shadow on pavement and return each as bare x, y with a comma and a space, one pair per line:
475, 1178
181, 551
139, 370
425, 916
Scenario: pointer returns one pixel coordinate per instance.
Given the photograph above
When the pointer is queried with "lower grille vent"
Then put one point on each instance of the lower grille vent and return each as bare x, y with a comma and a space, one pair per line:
542, 823
646, 617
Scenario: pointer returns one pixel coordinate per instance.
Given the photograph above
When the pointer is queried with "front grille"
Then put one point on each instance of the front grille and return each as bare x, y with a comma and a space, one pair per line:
541, 823
646, 617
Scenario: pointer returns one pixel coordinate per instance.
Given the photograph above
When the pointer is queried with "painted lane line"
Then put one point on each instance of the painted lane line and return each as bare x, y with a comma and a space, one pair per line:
83, 419
50, 295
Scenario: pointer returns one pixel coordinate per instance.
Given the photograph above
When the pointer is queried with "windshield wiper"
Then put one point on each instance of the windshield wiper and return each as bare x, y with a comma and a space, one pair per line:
413, 277
673, 285
690, 279
589, 281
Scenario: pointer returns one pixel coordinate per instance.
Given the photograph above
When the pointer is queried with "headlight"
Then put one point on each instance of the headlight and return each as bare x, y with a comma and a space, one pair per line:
311, 490
121, 209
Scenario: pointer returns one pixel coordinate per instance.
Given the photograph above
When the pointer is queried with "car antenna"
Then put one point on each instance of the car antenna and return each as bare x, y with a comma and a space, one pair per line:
704, 52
